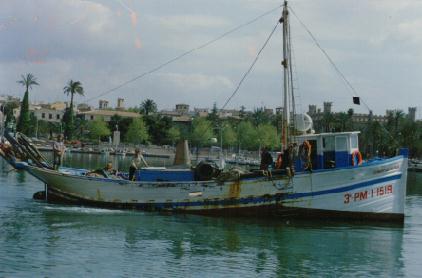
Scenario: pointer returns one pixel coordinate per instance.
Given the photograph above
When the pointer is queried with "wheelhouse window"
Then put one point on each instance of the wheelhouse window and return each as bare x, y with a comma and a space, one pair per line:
341, 143
328, 143
354, 141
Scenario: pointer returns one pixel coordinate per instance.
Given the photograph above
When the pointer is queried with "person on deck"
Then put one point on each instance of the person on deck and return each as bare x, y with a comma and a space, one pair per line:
108, 170
138, 162
58, 151
266, 159
305, 154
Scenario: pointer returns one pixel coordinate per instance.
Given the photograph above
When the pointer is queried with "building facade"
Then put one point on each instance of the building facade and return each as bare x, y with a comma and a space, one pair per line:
106, 115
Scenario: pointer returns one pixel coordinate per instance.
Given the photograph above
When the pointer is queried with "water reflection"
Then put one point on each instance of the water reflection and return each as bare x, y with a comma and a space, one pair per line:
20, 177
208, 245
414, 183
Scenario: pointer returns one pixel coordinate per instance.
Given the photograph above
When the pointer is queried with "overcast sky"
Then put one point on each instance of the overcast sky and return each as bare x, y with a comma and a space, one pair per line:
376, 44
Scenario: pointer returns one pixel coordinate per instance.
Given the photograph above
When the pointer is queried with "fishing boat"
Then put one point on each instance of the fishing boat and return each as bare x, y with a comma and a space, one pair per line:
327, 178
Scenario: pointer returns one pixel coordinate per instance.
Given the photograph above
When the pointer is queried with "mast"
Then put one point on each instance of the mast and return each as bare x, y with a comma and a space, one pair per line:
286, 113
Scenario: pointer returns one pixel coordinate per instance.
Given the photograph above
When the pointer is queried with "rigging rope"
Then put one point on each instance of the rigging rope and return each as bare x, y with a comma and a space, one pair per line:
186, 53
343, 77
250, 67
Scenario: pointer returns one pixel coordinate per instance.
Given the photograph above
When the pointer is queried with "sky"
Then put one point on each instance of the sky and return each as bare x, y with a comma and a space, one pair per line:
377, 45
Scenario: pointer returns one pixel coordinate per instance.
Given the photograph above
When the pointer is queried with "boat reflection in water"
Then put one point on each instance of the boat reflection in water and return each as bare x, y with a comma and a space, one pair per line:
211, 246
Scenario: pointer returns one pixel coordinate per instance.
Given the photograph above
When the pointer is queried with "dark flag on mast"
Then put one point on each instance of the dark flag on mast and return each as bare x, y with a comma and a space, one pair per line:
356, 100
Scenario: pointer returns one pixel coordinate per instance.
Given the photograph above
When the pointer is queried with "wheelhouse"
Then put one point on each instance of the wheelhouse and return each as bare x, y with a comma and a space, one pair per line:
330, 150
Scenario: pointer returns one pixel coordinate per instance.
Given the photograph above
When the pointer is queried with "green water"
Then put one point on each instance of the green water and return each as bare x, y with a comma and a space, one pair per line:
45, 240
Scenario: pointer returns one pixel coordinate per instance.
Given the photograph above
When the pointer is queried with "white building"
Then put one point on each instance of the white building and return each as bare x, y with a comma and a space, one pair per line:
49, 115
105, 115
49, 112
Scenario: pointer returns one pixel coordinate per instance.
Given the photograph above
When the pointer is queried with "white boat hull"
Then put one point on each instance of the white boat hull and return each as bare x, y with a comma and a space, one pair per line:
376, 190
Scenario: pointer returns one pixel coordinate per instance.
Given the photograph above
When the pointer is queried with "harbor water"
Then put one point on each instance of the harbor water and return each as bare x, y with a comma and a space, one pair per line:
38, 239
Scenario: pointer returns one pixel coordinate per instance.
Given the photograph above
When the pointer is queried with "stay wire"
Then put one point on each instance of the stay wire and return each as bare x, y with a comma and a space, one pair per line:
329, 58
250, 67
337, 69
186, 53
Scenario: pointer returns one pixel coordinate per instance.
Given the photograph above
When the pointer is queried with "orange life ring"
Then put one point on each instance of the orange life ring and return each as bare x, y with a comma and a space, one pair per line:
356, 155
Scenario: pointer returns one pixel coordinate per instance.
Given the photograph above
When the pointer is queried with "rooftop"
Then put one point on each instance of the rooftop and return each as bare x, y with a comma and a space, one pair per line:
112, 113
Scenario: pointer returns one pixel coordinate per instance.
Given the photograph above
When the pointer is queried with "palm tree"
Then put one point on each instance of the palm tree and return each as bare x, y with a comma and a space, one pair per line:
24, 120
72, 88
341, 121
398, 117
28, 81
148, 106
327, 121
350, 113
259, 116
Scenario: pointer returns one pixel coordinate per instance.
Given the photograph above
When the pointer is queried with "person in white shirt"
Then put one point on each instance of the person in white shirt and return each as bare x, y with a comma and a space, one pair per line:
138, 162
58, 151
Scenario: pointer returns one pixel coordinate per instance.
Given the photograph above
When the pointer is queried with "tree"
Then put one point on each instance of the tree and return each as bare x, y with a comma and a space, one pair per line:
137, 132
122, 124
213, 116
114, 122
246, 135
81, 126
229, 135
135, 109
33, 125
327, 122
173, 135
242, 112
259, 116
44, 128
148, 107
98, 129
267, 136
394, 118
341, 122
72, 88
24, 119
8, 112
201, 132
410, 135
158, 127
375, 138
277, 121
398, 118
350, 114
